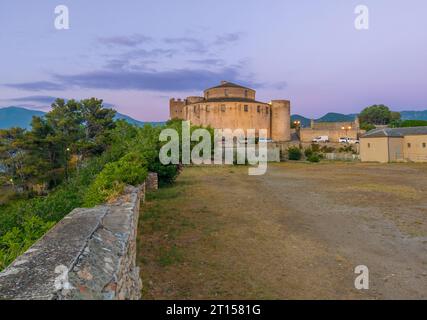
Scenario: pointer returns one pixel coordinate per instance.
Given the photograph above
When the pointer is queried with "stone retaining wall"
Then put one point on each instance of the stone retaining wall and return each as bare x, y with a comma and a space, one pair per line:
90, 254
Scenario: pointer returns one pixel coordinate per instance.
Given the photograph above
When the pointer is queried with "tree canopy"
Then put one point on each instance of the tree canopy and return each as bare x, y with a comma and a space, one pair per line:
377, 115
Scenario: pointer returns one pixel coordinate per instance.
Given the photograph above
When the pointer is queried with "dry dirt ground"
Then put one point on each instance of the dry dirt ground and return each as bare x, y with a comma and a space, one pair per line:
297, 232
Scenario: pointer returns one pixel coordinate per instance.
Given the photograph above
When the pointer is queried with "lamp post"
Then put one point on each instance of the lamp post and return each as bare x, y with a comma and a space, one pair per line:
67, 151
297, 125
346, 131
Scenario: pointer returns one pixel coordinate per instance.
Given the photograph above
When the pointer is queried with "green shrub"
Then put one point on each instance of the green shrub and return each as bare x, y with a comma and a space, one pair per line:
314, 157
308, 152
130, 169
315, 147
16, 241
347, 149
327, 149
294, 153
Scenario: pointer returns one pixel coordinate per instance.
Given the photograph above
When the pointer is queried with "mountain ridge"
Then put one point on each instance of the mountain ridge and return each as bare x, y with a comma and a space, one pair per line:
14, 116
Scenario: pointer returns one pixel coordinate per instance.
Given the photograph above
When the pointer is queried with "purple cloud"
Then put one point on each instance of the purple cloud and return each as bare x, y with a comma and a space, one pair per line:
38, 99
125, 41
36, 86
175, 80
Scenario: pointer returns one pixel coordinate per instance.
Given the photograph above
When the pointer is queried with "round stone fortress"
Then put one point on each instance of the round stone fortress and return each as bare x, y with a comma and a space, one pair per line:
231, 106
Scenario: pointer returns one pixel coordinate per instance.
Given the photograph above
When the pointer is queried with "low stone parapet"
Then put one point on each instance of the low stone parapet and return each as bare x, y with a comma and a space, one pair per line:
89, 254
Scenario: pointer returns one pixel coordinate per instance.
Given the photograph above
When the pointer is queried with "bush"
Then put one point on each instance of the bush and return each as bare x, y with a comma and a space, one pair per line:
347, 149
326, 149
314, 157
130, 169
294, 153
315, 147
16, 241
308, 152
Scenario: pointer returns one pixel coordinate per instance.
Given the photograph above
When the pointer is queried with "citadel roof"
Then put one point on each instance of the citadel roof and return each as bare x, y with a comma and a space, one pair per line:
226, 84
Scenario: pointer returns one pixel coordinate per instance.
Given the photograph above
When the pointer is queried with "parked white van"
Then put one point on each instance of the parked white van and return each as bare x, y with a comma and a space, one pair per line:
321, 139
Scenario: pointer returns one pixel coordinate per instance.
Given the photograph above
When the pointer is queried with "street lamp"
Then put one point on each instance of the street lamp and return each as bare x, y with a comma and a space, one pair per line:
67, 151
346, 130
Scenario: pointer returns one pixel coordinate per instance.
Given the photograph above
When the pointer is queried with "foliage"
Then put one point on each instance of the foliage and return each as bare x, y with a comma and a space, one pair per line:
377, 115
408, 123
367, 126
130, 169
314, 157
327, 149
294, 153
347, 149
19, 239
43, 155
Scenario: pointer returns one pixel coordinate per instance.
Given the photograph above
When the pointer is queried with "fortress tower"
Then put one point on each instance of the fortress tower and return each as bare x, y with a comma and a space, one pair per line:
232, 106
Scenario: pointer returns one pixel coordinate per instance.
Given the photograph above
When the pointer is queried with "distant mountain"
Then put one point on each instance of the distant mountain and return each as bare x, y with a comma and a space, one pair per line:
21, 117
329, 117
337, 117
305, 122
414, 115
17, 117
120, 116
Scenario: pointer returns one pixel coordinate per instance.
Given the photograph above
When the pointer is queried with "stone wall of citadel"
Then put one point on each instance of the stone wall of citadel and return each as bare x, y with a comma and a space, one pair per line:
308, 134
90, 254
231, 115
230, 92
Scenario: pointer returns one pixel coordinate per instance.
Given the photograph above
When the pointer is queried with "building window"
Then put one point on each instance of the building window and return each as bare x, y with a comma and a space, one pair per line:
246, 93
223, 108
409, 145
258, 109
424, 144
266, 110
226, 92
246, 108
207, 95
207, 109
369, 145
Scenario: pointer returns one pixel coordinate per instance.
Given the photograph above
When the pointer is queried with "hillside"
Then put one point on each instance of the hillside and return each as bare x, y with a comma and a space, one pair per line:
17, 117
21, 117
414, 115
337, 117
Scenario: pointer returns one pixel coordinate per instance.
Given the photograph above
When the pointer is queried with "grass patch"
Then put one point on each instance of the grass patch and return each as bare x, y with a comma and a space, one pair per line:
402, 191
169, 256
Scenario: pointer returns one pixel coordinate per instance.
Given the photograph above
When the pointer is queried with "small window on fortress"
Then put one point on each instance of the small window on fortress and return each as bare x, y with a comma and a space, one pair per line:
246, 107
246, 93
258, 109
207, 108
424, 145
194, 109
226, 92
369, 145
409, 145
207, 95
266, 110
223, 108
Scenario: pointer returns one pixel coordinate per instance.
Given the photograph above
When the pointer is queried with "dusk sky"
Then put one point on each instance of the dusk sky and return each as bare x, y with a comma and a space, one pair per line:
137, 54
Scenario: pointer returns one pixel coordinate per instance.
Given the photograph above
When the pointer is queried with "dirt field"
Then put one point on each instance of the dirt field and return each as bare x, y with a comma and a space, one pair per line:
297, 232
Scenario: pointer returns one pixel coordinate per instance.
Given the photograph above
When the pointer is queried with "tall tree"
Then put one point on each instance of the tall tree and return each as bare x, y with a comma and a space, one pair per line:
376, 115
98, 122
